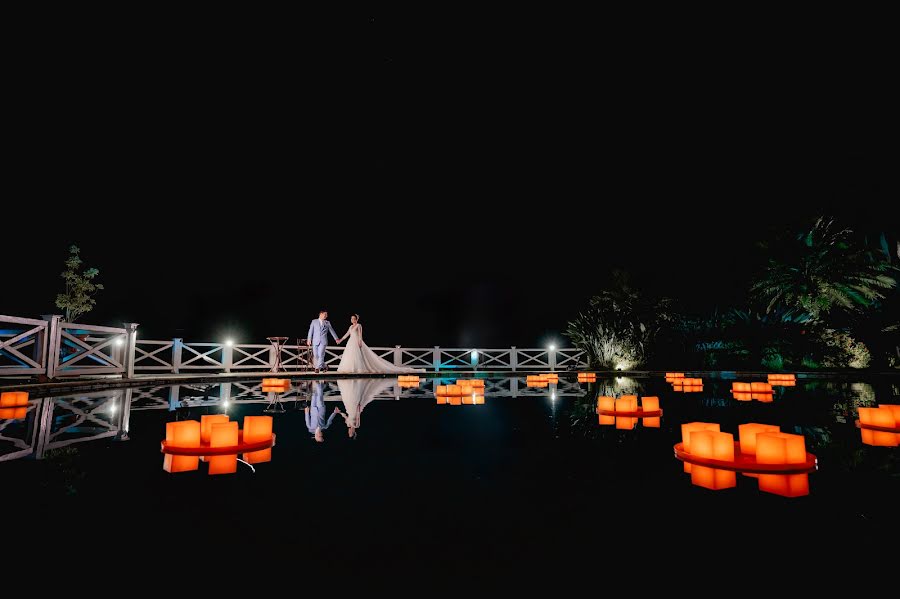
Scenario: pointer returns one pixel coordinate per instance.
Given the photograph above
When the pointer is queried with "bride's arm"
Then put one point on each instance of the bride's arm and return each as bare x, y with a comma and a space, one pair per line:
359, 333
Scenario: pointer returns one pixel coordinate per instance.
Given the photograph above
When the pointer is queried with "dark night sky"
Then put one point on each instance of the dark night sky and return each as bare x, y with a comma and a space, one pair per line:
233, 188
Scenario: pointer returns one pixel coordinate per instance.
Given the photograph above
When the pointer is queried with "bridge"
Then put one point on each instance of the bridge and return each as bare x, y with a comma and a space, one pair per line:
53, 348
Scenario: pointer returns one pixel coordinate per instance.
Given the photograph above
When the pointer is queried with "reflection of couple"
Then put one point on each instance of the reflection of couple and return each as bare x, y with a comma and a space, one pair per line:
358, 357
356, 395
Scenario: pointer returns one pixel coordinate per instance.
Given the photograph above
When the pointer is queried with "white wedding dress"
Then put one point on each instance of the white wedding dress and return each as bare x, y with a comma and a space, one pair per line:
359, 358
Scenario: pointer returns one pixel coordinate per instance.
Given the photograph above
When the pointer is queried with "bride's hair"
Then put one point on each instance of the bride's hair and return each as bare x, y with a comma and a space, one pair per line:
357, 316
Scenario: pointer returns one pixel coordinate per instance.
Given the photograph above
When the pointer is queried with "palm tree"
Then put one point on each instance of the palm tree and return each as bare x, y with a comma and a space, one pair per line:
824, 271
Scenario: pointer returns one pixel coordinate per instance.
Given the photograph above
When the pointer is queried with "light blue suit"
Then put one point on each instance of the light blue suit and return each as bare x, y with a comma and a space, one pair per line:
315, 414
318, 334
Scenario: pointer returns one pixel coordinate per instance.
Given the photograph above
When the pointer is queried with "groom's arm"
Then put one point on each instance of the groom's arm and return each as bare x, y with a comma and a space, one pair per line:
333, 334
309, 333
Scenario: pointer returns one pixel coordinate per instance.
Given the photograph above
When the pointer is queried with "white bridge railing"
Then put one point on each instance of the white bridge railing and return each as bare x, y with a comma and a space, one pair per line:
53, 348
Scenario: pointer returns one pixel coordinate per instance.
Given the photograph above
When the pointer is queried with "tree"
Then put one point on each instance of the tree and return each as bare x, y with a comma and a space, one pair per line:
619, 327
824, 270
78, 298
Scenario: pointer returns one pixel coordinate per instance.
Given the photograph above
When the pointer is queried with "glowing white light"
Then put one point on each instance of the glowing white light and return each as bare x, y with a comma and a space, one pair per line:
229, 343
553, 397
552, 347
112, 409
119, 341
225, 404
474, 354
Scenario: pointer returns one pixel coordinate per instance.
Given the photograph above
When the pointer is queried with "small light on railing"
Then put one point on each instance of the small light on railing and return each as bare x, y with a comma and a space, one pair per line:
119, 341
225, 404
112, 408
552, 347
553, 396
229, 343
474, 354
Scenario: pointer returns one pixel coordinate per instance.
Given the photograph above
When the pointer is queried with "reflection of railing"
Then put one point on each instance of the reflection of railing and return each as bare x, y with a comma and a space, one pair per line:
57, 422
55, 348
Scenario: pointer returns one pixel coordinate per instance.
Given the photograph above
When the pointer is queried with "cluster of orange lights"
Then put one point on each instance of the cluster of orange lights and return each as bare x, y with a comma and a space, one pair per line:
217, 441
464, 392
783, 380
587, 377
682, 384
880, 427
408, 381
624, 412
276, 385
541, 381
13, 405
778, 460
747, 391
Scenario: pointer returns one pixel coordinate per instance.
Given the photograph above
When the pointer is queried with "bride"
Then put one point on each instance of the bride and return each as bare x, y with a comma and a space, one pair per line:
359, 358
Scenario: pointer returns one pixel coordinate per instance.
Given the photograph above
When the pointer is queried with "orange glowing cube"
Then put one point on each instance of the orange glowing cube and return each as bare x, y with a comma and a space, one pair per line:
895, 410
180, 463
479, 400
763, 397
650, 404
441, 390
607, 420
455, 400
185, 433
441, 399
741, 396
652, 422
741, 387
690, 427
747, 435
258, 457
222, 464
224, 434
625, 422
712, 445
257, 428
879, 438
714, 479
13, 399
206, 422
606, 403
780, 448
626, 403
786, 485
674, 375
13, 413
877, 417
761, 387
453, 390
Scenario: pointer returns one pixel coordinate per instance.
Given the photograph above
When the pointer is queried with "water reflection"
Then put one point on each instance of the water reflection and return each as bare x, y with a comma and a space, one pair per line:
356, 395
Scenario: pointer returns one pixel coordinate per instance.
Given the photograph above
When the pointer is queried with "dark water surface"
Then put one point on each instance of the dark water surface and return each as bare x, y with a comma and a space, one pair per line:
526, 480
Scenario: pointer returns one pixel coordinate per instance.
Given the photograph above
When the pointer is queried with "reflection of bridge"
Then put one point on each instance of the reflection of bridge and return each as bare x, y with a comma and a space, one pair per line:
55, 422
55, 348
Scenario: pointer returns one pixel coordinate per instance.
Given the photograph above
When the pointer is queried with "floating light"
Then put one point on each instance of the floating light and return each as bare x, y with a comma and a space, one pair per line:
180, 463
741, 387
13, 413
653, 422
442, 399
650, 404
13, 399
895, 410
626, 403
606, 403
741, 396
606, 420
879, 438
223, 434
441, 390
258, 457
453, 390
880, 416
206, 422
674, 375
184, 433
257, 428
780, 448
747, 435
690, 427
712, 445
761, 387
455, 400
222, 464
625, 423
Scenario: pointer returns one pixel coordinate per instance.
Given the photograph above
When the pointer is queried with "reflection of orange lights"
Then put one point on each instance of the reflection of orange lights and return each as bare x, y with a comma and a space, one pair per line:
442, 399
180, 463
674, 375
587, 377
222, 464
407, 378
747, 435
653, 422
690, 427
879, 438
741, 387
714, 479
454, 401
538, 384
625, 423
13, 399
473, 399
607, 420
783, 380
780, 448
13, 413
471, 382
258, 457
786, 485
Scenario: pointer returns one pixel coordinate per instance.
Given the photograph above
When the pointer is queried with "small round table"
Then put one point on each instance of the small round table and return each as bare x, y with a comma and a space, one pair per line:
277, 345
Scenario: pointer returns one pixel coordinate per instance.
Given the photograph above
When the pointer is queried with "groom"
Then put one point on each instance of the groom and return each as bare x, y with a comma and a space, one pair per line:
317, 337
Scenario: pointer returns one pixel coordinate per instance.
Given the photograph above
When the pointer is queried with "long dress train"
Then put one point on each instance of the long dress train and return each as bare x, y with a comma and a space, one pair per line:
359, 357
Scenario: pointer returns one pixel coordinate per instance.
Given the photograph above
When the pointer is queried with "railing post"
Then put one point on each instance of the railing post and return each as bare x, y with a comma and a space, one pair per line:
514, 387
130, 342
473, 359
53, 340
224, 392
398, 356
513, 358
227, 357
177, 343
551, 359
125, 417
273, 358
436, 358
